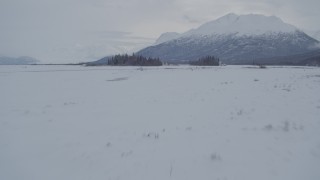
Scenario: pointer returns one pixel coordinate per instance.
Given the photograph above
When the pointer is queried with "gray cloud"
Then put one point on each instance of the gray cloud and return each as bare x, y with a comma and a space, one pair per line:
77, 30
191, 20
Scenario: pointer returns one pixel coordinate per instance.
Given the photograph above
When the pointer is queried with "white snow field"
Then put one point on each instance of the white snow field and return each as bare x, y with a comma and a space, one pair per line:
159, 123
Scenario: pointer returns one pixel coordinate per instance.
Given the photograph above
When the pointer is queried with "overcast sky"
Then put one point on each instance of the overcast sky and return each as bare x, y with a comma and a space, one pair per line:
84, 30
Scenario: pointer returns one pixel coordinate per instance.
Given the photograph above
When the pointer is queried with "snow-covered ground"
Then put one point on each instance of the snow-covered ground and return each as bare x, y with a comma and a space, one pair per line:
179, 122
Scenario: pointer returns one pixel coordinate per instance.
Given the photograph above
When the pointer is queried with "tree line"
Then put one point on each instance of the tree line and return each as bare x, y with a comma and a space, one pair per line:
138, 60
206, 61
133, 60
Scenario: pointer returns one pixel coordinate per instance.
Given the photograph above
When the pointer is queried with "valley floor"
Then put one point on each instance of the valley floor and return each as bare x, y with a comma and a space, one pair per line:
157, 123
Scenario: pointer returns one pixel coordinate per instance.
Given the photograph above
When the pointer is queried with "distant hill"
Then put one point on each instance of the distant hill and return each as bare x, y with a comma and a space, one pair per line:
101, 62
23, 60
235, 39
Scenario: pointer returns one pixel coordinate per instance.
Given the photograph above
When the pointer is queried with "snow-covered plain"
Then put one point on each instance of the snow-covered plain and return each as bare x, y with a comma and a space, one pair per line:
157, 123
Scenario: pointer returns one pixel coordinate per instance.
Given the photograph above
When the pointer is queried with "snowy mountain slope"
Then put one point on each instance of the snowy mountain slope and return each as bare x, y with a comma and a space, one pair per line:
175, 122
231, 48
236, 40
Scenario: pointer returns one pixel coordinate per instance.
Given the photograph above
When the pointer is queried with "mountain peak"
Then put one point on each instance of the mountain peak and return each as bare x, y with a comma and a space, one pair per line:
248, 24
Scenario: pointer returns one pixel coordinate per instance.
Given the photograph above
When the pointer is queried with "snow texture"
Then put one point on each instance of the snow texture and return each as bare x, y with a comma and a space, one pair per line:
171, 122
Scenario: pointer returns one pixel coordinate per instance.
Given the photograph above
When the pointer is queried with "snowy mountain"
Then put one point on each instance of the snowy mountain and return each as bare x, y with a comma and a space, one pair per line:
23, 60
235, 39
